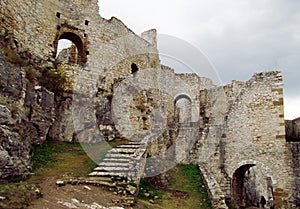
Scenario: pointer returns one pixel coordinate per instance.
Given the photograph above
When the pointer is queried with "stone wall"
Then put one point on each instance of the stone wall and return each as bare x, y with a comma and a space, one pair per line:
294, 162
293, 129
40, 95
26, 111
37, 25
256, 185
214, 191
243, 126
115, 88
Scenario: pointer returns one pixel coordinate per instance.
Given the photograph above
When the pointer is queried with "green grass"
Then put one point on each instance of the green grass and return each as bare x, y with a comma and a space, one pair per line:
17, 195
146, 187
62, 158
186, 179
56, 159
52, 159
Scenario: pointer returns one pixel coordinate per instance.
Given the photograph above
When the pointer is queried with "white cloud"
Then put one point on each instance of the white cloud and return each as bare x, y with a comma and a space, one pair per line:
292, 108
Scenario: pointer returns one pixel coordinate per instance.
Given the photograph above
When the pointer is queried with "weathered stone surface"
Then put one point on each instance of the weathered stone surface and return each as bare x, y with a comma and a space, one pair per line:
255, 186
5, 115
131, 189
74, 203
41, 113
123, 161
115, 87
292, 128
294, 162
62, 128
215, 193
60, 183
14, 154
12, 80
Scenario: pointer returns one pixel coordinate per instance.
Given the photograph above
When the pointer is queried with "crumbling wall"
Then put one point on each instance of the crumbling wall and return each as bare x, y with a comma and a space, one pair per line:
35, 25
292, 129
26, 111
256, 185
116, 77
38, 93
242, 124
294, 161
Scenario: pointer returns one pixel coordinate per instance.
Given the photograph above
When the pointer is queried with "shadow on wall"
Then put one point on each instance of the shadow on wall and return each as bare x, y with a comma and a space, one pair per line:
292, 130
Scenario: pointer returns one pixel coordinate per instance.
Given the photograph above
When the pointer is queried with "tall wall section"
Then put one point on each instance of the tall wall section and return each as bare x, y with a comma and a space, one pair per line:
243, 126
34, 105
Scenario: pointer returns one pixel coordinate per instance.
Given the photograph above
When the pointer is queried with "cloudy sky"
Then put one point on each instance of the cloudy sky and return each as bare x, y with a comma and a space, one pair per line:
239, 37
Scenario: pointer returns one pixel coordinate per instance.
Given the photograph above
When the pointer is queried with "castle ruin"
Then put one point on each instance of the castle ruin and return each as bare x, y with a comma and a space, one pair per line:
112, 86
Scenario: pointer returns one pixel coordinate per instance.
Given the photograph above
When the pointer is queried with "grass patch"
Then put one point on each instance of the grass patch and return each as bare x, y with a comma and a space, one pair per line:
53, 158
65, 158
17, 195
186, 178
148, 188
185, 190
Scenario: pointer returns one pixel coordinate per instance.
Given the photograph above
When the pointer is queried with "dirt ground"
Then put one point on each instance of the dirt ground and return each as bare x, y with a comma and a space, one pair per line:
66, 160
73, 196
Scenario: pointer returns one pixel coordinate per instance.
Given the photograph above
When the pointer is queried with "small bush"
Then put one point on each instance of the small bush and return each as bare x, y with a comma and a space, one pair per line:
53, 80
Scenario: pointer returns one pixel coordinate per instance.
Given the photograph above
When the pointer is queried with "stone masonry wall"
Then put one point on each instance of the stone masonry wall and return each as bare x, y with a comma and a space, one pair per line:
118, 89
30, 32
293, 129
35, 24
26, 112
242, 124
294, 162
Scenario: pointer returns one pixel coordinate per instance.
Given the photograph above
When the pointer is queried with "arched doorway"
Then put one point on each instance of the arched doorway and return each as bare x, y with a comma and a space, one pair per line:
249, 184
183, 109
75, 53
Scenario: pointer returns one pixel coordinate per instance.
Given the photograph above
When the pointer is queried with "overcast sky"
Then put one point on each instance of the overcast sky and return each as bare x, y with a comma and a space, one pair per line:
239, 37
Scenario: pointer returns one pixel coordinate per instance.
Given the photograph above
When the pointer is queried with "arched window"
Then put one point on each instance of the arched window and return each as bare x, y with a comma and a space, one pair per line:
66, 52
182, 108
69, 48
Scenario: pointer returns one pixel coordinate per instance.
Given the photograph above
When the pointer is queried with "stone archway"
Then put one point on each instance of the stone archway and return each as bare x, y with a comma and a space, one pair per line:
81, 55
237, 185
247, 188
183, 109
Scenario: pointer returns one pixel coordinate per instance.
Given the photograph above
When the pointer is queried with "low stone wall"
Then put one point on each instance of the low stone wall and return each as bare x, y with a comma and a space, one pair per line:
214, 191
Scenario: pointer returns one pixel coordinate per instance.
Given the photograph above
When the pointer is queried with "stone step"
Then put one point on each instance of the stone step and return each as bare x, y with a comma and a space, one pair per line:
117, 160
110, 174
112, 169
117, 155
136, 143
106, 179
122, 151
114, 164
129, 146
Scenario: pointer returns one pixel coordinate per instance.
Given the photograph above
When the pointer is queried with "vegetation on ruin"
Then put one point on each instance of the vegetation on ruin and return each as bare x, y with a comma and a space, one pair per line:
57, 81
65, 157
50, 159
56, 159
185, 190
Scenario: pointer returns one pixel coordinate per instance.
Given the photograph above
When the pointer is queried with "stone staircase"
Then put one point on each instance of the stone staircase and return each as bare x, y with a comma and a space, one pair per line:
125, 162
